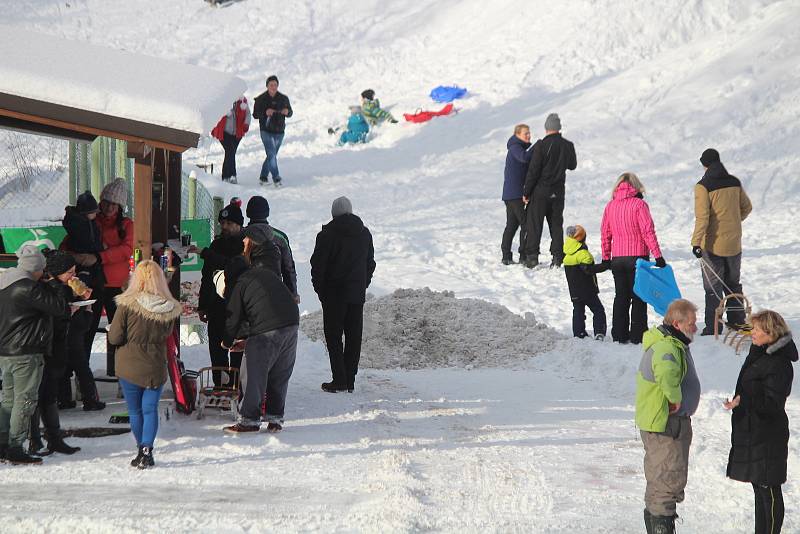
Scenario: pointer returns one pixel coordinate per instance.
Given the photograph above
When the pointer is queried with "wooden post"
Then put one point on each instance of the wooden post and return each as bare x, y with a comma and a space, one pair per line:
191, 205
143, 195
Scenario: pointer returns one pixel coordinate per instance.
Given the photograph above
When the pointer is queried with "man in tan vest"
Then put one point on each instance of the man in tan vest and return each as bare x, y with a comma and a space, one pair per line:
720, 206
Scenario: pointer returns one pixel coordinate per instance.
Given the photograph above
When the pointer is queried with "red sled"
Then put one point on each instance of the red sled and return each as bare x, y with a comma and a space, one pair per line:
425, 116
184, 383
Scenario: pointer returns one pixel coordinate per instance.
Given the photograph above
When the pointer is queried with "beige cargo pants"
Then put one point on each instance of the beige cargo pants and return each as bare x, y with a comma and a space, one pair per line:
666, 465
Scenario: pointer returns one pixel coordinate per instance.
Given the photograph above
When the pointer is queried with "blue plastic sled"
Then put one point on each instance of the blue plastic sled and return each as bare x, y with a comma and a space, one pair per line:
655, 286
447, 93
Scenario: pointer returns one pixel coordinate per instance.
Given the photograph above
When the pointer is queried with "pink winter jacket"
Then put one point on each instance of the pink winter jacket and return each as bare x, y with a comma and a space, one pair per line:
627, 228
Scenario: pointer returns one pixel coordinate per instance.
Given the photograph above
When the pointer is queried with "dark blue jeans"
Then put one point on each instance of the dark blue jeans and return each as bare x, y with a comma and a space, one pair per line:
272, 143
143, 411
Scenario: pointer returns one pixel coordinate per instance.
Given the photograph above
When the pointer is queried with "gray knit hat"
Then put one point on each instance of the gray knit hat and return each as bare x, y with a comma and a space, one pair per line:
31, 260
552, 123
341, 206
116, 192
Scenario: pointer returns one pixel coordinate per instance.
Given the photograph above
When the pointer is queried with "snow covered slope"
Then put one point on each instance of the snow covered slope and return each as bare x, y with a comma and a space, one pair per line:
546, 447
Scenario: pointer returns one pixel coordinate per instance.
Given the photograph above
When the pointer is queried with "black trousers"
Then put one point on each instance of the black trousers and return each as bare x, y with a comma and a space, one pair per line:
220, 357
769, 509
343, 319
78, 359
230, 143
579, 315
515, 218
728, 269
545, 203
105, 299
629, 322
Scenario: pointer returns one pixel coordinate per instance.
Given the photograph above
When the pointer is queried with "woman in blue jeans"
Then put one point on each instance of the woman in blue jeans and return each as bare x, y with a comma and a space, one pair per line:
145, 318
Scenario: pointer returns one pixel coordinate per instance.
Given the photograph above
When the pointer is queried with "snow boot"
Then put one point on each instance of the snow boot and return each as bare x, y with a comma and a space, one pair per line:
147, 458
36, 446
93, 405
66, 404
333, 387
662, 524
16, 456
52, 426
555, 263
239, 428
139, 456
274, 428
530, 263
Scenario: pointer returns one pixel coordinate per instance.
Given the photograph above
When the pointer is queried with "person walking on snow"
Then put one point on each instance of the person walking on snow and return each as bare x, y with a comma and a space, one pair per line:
720, 206
229, 131
341, 270
518, 158
27, 310
627, 233
759, 425
544, 191
371, 109
667, 395
271, 108
581, 273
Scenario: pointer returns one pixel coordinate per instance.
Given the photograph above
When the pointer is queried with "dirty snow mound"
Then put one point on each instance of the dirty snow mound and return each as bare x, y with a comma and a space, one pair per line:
420, 328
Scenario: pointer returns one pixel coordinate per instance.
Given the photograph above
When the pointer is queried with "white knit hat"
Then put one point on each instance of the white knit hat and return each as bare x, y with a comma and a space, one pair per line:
116, 192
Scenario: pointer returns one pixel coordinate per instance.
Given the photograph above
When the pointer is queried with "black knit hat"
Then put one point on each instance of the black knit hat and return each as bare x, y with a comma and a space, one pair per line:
257, 209
369, 94
58, 262
232, 213
273, 78
86, 203
709, 156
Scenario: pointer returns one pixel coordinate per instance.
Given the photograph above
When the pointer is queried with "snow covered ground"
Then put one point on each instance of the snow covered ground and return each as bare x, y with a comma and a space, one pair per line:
544, 444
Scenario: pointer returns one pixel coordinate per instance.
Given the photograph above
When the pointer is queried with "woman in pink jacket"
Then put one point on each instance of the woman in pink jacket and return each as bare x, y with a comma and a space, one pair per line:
628, 233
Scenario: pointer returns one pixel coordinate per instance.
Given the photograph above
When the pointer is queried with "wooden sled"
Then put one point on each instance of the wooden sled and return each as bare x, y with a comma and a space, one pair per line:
738, 338
222, 397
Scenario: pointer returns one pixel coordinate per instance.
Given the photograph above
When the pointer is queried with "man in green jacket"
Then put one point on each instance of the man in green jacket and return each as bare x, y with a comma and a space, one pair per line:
667, 395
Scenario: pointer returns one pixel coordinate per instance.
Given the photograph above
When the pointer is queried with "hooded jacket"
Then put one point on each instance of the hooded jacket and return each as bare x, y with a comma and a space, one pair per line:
343, 260
140, 329
236, 122
759, 425
627, 229
517, 160
357, 130
116, 255
720, 206
551, 158
84, 237
580, 270
666, 375
27, 309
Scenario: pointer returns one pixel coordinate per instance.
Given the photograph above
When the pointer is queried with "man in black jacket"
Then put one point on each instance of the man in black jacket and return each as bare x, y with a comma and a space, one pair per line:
27, 309
211, 307
258, 212
341, 269
271, 109
261, 311
544, 190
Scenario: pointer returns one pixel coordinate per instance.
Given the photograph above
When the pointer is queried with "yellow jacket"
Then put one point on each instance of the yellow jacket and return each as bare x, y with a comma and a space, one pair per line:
720, 206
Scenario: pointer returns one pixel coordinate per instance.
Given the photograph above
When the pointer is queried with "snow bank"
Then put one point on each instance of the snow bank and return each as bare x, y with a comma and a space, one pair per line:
420, 328
114, 82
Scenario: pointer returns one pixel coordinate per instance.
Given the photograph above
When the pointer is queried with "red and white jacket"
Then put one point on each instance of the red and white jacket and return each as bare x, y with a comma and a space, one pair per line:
242, 112
627, 228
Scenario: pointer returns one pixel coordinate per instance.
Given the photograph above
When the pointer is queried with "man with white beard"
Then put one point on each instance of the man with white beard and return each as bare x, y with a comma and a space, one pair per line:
667, 395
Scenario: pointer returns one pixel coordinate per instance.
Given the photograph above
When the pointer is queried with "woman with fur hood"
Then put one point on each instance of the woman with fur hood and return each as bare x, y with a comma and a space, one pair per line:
145, 318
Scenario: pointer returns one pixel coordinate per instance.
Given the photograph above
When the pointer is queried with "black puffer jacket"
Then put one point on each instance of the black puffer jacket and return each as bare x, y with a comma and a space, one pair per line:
343, 260
759, 426
258, 303
27, 309
266, 255
216, 258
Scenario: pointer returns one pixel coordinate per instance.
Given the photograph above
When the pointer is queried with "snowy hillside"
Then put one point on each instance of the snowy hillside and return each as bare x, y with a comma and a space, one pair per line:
547, 444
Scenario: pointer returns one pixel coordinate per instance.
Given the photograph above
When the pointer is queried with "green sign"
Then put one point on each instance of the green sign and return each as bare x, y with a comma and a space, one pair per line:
200, 230
41, 237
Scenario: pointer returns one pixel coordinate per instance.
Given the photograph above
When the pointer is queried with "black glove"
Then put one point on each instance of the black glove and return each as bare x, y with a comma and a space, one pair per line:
606, 264
660, 263
393, 121
697, 251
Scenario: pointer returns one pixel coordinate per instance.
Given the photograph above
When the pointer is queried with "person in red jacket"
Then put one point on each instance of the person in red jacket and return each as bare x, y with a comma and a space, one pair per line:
116, 231
627, 233
229, 131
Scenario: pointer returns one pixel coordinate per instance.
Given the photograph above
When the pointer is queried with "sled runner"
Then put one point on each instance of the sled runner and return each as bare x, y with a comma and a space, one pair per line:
223, 397
184, 383
737, 336
655, 285
425, 116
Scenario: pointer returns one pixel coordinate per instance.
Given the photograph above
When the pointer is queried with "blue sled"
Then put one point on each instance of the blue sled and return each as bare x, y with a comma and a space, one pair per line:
655, 286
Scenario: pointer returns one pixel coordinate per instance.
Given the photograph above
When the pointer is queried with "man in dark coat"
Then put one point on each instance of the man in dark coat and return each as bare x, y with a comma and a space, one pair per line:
27, 309
258, 212
341, 270
517, 160
271, 109
211, 307
544, 191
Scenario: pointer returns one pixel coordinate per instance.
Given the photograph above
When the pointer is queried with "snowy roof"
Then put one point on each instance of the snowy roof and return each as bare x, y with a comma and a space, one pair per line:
113, 82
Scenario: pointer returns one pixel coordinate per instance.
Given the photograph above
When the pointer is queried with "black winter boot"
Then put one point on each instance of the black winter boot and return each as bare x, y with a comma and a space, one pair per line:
92, 405
648, 521
36, 446
17, 456
52, 429
135, 461
147, 458
663, 524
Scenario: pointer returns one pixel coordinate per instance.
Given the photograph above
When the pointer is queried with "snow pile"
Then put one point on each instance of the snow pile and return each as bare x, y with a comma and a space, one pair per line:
420, 328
